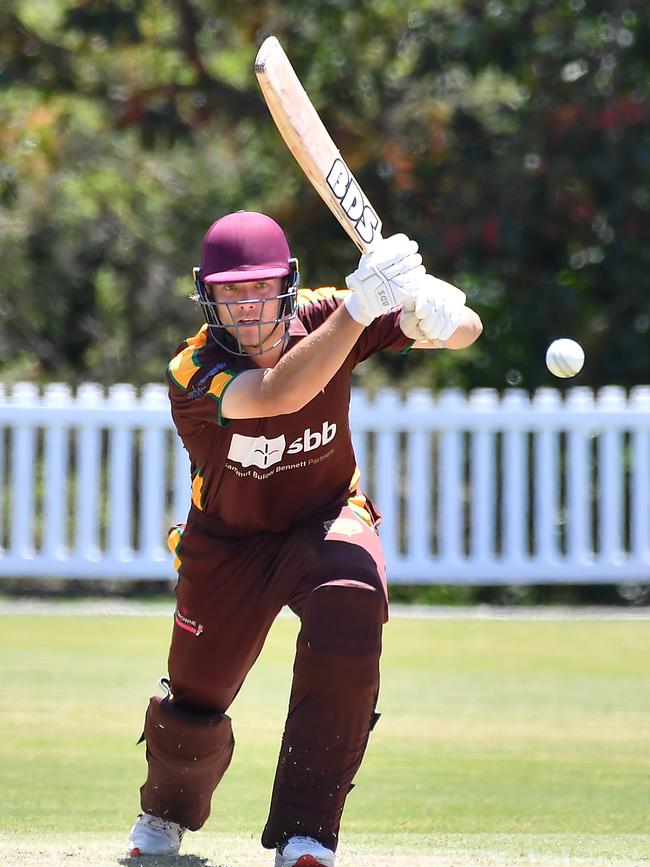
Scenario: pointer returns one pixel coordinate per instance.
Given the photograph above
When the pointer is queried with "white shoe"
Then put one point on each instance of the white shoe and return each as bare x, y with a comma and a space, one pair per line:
304, 852
154, 836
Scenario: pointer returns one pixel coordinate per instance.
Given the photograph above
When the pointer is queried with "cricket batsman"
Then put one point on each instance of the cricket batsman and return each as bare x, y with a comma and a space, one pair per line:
260, 398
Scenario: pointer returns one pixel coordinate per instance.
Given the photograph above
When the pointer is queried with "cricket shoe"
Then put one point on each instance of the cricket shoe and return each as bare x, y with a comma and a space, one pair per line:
304, 852
154, 836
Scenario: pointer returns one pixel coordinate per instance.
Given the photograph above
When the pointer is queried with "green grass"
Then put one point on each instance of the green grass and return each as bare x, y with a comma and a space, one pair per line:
506, 739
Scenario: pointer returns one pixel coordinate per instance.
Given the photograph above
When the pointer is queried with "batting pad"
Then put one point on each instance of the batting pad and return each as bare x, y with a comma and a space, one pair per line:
187, 755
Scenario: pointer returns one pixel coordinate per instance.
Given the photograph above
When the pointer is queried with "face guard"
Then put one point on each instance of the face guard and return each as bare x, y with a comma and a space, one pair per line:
218, 315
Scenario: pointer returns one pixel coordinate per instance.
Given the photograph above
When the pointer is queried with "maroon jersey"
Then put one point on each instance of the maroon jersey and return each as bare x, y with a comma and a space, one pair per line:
265, 474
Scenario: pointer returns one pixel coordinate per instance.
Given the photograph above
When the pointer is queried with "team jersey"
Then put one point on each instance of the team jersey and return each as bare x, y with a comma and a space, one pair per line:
266, 474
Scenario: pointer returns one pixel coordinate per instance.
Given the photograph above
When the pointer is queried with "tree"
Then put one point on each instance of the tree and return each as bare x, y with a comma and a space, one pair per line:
510, 139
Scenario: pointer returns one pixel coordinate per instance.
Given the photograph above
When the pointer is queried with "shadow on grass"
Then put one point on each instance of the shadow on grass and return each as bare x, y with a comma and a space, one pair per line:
169, 861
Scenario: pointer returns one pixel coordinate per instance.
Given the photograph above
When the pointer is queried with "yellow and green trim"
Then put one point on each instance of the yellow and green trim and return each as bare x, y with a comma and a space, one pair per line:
357, 501
197, 489
174, 540
325, 293
184, 364
218, 386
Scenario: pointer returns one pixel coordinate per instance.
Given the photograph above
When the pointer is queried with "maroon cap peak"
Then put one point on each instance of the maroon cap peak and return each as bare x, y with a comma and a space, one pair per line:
244, 246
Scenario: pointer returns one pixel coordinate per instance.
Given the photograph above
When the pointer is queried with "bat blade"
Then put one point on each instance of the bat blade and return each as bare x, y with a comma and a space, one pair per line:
310, 143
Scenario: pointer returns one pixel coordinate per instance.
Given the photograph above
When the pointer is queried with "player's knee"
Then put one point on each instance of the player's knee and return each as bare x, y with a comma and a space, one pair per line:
340, 639
187, 734
345, 615
194, 692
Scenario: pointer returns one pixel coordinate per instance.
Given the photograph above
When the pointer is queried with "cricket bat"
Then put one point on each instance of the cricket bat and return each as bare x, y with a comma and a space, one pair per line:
312, 146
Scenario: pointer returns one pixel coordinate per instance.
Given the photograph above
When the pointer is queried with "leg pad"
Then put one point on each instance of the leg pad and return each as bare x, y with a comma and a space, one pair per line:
187, 755
331, 712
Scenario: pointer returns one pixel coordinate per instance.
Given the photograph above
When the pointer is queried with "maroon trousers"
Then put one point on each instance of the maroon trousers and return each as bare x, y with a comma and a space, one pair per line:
330, 571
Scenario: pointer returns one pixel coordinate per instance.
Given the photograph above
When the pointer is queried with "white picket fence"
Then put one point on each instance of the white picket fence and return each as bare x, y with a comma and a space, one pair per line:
478, 488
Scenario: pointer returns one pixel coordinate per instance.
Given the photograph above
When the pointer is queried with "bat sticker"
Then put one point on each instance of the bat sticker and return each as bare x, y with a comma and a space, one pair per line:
353, 201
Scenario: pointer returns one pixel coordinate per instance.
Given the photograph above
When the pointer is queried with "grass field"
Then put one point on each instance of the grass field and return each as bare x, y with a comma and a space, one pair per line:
501, 742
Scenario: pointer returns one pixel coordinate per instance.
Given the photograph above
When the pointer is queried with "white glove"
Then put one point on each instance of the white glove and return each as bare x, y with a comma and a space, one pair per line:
383, 279
433, 311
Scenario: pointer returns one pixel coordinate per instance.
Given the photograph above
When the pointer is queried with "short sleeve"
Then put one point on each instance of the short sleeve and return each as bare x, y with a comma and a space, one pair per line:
316, 305
197, 387
384, 334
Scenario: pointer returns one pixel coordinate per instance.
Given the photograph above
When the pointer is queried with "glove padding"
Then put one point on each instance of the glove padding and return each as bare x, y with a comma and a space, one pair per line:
433, 311
384, 278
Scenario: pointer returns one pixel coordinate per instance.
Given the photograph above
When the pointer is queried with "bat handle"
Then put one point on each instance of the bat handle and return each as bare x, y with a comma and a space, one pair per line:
368, 247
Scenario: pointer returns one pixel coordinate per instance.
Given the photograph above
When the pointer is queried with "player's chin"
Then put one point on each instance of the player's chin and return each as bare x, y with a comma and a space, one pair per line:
260, 331
252, 336
250, 333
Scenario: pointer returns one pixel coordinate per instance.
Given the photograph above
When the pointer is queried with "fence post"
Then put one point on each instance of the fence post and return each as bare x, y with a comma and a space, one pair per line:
55, 474
3, 437
482, 525
182, 483
611, 399
639, 480
152, 486
419, 530
23, 499
451, 492
120, 484
580, 549
90, 396
546, 478
360, 410
514, 480
387, 405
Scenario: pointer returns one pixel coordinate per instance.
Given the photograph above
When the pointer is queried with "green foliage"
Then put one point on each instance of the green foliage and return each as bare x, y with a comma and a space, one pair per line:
512, 140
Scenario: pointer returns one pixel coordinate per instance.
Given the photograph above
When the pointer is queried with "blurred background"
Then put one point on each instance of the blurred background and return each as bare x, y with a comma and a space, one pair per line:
511, 140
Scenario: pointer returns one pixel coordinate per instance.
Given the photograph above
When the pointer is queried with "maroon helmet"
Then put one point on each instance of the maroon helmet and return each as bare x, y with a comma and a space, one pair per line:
238, 248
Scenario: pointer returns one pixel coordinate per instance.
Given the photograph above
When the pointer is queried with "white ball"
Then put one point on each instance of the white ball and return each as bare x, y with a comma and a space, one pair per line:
565, 357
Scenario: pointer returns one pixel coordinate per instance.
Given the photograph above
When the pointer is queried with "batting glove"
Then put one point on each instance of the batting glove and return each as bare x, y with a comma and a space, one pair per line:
433, 311
383, 279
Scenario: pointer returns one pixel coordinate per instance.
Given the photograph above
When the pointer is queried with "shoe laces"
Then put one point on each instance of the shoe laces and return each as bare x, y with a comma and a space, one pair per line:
309, 841
165, 826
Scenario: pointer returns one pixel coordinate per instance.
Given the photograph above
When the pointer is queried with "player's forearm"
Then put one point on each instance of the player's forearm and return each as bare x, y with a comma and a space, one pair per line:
307, 368
298, 376
468, 331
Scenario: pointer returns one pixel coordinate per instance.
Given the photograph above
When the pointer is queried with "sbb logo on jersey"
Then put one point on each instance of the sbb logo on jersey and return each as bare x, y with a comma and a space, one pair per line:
313, 440
263, 452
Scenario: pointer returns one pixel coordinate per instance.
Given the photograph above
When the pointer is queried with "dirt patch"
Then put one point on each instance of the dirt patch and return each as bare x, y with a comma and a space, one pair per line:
235, 852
